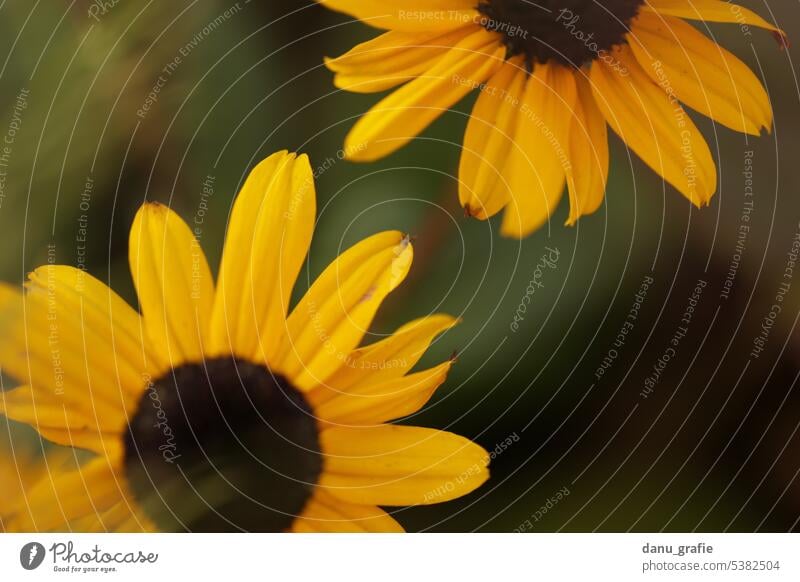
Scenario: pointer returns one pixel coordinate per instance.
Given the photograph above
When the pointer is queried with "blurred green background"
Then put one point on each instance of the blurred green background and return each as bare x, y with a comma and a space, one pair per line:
713, 446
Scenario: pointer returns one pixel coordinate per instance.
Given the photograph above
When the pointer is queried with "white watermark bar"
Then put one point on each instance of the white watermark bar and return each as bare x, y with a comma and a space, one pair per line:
371, 557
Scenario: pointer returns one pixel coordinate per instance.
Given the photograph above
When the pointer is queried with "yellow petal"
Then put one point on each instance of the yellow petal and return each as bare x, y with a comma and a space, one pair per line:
75, 344
538, 163
173, 282
333, 316
654, 125
483, 183
702, 74
391, 59
71, 299
66, 496
268, 237
588, 154
710, 11
94, 427
77, 301
378, 402
391, 357
401, 116
411, 15
400, 465
325, 513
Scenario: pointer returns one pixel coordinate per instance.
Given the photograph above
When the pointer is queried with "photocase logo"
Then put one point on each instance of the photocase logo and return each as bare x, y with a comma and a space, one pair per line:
31, 555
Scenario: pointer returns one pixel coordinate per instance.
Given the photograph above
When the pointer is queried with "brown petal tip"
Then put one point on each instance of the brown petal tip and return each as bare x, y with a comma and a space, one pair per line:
782, 39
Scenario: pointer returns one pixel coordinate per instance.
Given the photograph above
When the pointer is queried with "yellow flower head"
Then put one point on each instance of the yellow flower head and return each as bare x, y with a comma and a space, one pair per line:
552, 76
214, 410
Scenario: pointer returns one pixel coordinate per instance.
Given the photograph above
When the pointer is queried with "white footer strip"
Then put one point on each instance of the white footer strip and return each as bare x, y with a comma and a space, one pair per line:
407, 558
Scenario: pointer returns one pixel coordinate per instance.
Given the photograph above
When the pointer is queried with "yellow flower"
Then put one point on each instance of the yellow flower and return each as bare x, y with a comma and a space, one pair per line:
215, 411
552, 76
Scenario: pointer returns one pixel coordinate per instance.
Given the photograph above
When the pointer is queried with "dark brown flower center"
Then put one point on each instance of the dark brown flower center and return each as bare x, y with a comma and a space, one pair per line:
223, 445
571, 32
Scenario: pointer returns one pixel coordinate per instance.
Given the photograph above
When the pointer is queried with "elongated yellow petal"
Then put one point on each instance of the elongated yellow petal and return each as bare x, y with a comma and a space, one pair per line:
67, 496
654, 125
391, 357
709, 11
173, 281
324, 513
379, 402
74, 301
94, 427
410, 15
702, 74
483, 184
538, 163
400, 465
401, 116
268, 237
588, 154
333, 316
78, 347
391, 59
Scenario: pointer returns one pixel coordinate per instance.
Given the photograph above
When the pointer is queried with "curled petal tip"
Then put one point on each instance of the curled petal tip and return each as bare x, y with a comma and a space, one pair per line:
782, 39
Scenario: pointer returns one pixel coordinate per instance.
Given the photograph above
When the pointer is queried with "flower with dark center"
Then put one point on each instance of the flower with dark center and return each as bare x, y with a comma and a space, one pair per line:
216, 409
552, 76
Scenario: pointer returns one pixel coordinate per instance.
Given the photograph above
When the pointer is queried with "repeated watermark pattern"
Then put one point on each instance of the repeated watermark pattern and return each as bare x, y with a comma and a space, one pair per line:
549, 505
680, 333
172, 67
779, 299
621, 340
10, 138
649, 334
473, 470
547, 262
